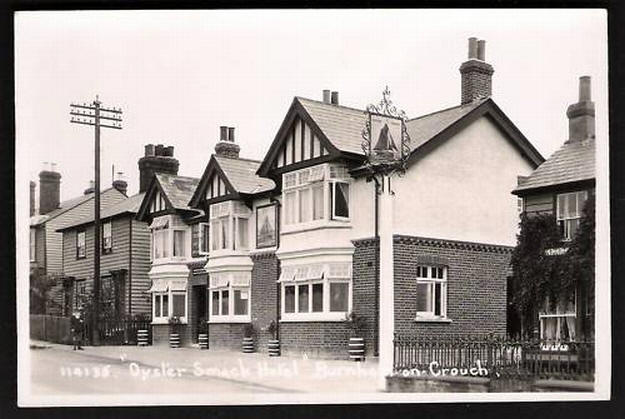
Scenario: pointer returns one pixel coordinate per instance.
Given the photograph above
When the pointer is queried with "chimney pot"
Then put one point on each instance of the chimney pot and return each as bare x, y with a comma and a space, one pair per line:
149, 149
231, 134
472, 48
335, 98
481, 50
168, 151
223, 133
584, 89
326, 96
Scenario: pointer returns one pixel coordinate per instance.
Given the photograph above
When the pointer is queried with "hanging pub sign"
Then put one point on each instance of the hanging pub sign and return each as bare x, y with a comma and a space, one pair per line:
386, 141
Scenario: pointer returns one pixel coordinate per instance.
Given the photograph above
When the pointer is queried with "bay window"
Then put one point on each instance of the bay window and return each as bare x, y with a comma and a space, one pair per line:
168, 239
569, 213
229, 226
169, 299
309, 193
316, 292
431, 292
230, 297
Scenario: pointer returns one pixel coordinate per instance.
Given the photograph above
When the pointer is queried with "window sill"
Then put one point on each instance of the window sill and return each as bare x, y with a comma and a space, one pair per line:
317, 225
229, 319
338, 316
165, 321
433, 320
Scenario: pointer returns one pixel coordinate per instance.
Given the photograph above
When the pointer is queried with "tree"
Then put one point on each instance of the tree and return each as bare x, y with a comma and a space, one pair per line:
40, 286
537, 276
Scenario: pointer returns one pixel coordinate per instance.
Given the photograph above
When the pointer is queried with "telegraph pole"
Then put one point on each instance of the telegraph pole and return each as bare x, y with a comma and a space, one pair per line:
92, 114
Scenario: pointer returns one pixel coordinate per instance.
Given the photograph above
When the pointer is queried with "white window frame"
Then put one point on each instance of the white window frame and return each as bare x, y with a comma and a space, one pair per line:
170, 306
294, 276
231, 212
33, 245
81, 251
559, 315
432, 280
168, 241
569, 216
201, 242
295, 183
107, 247
231, 282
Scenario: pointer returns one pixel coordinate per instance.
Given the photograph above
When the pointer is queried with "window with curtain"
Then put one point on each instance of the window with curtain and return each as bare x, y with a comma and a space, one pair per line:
569, 213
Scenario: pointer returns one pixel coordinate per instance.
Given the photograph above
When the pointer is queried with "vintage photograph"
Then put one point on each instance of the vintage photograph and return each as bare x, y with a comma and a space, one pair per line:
264, 207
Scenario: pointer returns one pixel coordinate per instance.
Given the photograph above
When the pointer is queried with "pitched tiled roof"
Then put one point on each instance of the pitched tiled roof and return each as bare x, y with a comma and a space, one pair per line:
573, 162
425, 127
63, 207
342, 125
178, 189
242, 175
128, 205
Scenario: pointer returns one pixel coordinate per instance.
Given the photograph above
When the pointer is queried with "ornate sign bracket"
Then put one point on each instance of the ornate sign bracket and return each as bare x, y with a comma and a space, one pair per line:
385, 157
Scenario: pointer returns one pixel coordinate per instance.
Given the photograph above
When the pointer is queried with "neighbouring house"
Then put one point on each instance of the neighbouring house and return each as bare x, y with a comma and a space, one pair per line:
176, 254
124, 260
46, 242
560, 188
294, 238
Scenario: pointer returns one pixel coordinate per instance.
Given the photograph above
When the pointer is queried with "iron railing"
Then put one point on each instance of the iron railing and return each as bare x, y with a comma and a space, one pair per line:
501, 356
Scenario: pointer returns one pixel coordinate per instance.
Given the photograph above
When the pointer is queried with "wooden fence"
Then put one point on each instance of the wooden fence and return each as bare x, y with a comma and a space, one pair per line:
50, 328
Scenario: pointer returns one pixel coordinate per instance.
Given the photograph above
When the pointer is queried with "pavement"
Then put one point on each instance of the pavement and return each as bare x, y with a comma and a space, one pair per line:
58, 370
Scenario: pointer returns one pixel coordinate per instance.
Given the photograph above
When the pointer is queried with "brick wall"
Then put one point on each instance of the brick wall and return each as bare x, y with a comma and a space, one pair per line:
476, 285
315, 339
476, 80
365, 298
225, 336
264, 296
160, 334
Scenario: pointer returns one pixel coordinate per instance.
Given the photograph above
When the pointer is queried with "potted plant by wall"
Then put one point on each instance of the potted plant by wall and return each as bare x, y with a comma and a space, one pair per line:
273, 345
174, 335
248, 338
202, 337
356, 325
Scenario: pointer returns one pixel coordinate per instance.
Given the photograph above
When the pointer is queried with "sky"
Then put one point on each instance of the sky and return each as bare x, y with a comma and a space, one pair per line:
179, 75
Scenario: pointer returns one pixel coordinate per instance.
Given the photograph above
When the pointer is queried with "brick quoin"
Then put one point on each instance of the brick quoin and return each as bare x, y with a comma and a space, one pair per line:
264, 296
476, 285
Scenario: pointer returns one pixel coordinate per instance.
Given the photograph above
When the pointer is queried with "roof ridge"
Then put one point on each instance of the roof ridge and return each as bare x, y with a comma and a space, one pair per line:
330, 104
446, 109
239, 158
175, 176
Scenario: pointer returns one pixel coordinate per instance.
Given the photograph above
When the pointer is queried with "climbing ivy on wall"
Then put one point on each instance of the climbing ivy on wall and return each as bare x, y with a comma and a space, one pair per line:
537, 275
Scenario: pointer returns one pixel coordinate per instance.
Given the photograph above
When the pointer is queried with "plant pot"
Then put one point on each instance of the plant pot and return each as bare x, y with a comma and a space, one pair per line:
356, 349
142, 337
248, 344
202, 340
273, 347
174, 340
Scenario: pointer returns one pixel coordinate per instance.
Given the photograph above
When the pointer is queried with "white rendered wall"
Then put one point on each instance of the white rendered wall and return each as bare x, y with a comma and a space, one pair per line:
461, 190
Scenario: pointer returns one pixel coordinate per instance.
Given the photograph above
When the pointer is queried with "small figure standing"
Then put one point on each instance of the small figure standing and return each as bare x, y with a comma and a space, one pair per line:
77, 330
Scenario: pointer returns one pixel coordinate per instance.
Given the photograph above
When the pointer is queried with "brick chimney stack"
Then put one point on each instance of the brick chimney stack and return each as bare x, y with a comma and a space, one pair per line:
157, 159
476, 73
90, 188
120, 184
582, 114
226, 147
49, 189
